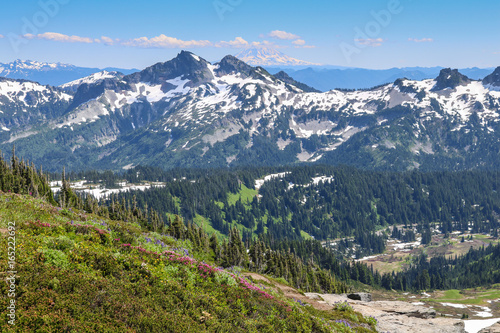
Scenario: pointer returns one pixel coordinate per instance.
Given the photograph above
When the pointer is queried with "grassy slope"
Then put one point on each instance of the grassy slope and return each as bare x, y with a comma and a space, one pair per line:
475, 296
245, 194
80, 273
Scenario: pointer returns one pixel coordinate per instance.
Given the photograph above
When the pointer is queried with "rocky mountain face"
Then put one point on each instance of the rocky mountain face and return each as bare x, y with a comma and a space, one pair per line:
188, 112
450, 79
288, 79
24, 104
92, 79
493, 80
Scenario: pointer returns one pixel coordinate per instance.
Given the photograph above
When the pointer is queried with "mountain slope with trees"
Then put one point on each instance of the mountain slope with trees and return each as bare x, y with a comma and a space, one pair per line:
83, 266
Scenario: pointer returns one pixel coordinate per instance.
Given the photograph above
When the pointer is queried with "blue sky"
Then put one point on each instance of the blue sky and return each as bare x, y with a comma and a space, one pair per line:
357, 33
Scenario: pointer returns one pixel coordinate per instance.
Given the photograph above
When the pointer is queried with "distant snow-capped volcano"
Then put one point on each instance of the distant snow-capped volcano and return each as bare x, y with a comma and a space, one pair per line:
265, 56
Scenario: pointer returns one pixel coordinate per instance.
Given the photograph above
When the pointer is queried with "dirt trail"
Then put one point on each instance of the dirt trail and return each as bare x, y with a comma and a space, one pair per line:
292, 293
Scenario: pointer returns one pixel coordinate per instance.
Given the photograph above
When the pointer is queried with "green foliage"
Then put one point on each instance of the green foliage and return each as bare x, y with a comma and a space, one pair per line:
55, 258
171, 271
223, 278
62, 243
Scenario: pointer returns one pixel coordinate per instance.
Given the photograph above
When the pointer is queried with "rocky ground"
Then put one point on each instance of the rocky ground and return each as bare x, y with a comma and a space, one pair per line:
492, 329
392, 316
404, 317
397, 316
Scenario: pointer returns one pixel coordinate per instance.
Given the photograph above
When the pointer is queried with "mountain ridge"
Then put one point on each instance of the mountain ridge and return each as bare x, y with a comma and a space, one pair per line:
324, 78
187, 112
54, 74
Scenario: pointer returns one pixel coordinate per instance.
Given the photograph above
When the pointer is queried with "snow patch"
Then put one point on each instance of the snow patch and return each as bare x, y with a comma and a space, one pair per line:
475, 325
260, 182
453, 305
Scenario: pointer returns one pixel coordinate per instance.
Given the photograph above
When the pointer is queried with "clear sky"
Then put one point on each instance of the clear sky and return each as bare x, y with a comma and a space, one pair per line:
356, 33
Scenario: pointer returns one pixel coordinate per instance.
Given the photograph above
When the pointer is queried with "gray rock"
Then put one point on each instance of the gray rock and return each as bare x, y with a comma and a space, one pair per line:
363, 297
404, 308
495, 328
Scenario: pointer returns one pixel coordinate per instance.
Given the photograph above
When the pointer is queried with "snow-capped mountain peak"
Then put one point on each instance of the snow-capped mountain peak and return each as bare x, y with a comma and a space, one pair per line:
185, 64
91, 79
450, 78
54, 74
29, 64
187, 109
266, 56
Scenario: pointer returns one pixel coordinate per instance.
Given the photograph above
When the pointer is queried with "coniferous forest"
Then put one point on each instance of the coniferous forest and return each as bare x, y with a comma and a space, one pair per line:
341, 204
287, 222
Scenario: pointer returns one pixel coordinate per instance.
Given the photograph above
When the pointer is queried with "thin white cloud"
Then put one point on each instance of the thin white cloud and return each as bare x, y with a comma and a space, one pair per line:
283, 35
57, 37
301, 44
422, 40
108, 41
163, 41
372, 42
265, 43
238, 42
268, 44
62, 38
2, 36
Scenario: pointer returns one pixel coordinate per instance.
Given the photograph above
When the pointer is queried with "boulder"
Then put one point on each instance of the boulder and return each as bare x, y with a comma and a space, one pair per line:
363, 297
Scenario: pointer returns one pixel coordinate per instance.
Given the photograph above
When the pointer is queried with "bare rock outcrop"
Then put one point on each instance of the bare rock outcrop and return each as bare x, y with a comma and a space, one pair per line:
397, 316
492, 329
402, 308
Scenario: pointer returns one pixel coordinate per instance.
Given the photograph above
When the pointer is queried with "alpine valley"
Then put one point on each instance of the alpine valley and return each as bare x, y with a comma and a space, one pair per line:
188, 112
